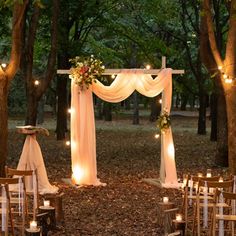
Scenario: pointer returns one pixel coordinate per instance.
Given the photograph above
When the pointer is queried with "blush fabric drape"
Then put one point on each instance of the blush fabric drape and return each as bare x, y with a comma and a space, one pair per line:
83, 140
31, 158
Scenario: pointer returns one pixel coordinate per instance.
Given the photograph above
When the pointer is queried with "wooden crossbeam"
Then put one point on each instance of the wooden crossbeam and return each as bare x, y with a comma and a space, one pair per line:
118, 71
145, 71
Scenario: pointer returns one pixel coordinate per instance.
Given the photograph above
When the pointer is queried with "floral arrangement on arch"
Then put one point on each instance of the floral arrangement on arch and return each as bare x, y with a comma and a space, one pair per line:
85, 71
163, 121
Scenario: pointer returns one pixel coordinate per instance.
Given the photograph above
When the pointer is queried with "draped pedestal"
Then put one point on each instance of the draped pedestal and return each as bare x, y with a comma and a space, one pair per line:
31, 158
83, 141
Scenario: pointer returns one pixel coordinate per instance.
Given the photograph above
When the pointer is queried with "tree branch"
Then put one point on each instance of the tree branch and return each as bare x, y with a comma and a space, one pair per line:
17, 25
211, 33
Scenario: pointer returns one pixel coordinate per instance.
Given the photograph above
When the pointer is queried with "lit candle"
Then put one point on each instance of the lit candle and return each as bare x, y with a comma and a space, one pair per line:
178, 217
33, 225
208, 173
165, 199
46, 203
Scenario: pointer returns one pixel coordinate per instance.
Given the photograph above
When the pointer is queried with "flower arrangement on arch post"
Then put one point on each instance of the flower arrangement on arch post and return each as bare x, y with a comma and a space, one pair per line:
163, 121
85, 71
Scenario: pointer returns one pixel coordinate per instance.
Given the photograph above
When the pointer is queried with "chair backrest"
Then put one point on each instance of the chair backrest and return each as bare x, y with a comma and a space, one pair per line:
226, 195
11, 172
10, 180
225, 185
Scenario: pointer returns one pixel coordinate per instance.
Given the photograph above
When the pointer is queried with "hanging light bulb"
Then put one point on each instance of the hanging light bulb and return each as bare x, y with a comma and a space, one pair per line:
36, 82
148, 67
4, 65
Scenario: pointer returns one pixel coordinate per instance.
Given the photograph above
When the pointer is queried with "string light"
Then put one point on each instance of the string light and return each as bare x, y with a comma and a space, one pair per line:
157, 136
69, 110
148, 67
113, 76
67, 143
160, 101
36, 82
228, 81
4, 65
227, 78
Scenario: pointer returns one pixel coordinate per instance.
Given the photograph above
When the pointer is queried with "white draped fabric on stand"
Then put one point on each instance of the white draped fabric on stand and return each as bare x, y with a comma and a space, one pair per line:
83, 141
31, 158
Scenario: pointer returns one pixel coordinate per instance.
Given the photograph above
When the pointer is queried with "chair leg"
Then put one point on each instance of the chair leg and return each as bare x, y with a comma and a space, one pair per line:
194, 217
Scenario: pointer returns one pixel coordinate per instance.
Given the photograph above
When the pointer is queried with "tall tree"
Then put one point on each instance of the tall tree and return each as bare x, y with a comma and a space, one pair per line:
226, 61
7, 74
33, 92
218, 106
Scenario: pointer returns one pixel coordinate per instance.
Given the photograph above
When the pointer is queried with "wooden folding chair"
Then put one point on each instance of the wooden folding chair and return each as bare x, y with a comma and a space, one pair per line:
190, 194
222, 216
29, 175
14, 206
205, 201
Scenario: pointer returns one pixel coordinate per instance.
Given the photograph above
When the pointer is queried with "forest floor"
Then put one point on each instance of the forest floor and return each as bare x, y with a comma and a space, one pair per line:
126, 154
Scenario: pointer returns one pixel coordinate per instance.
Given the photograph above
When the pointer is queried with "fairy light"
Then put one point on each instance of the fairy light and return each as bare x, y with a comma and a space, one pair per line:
36, 82
69, 110
160, 101
228, 81
220, 68
67, 143
157, 136
4, 65
113, 76
148, 67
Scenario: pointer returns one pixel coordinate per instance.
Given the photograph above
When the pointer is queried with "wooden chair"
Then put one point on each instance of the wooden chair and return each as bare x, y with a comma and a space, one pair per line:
29, 175
205, 200
190, 194
222, 215
12, 207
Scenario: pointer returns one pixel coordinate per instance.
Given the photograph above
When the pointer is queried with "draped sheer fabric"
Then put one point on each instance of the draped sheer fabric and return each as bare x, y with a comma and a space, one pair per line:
83, 141
31, 158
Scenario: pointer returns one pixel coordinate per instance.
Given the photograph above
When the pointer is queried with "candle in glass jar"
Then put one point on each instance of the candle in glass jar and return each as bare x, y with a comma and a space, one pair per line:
165, 199
33, 225
221, 179
46, 203
199, 174
208, 173
178, 217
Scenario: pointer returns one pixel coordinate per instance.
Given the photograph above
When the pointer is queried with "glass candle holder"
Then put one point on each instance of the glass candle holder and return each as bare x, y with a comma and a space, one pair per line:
165, 199
33, 225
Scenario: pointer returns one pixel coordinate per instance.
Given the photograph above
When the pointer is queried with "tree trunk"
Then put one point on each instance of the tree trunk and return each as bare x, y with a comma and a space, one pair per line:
202, 111
231, 111
155, 108
136, 108
107, 108
213, 116
63, 62
31, 112
221, 158
4, 88
62, 106
99, 109
40, 112
184, 101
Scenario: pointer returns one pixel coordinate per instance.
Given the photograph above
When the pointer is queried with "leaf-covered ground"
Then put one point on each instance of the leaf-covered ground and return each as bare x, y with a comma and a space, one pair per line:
125, 155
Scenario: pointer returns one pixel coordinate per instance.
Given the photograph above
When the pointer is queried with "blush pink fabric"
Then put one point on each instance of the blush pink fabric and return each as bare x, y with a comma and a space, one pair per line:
83, 141
31, 158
